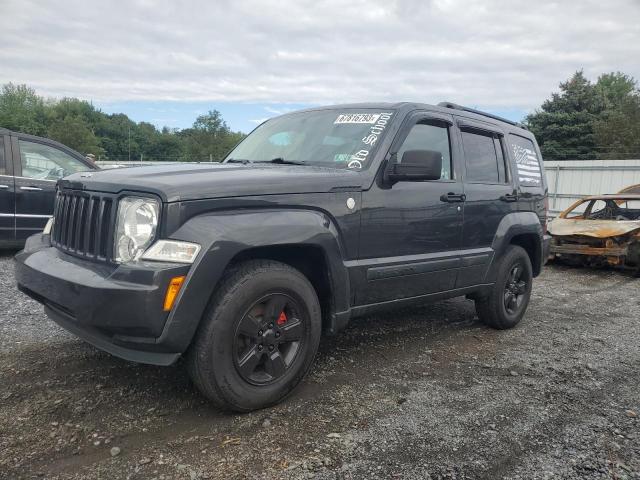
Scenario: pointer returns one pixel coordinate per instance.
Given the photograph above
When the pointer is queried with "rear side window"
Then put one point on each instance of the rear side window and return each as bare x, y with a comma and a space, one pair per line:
3, 165
527, 161
484, 158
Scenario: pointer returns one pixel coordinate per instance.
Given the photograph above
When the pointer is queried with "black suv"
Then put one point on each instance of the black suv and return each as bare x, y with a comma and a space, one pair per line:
29, 169
316, 217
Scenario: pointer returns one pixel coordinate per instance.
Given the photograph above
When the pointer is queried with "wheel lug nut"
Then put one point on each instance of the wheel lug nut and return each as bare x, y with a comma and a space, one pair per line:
260, 332
260, 347
270, 348
271, 325
277, 334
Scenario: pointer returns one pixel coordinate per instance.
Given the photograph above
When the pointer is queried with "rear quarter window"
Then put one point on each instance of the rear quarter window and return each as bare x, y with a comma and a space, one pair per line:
527, 161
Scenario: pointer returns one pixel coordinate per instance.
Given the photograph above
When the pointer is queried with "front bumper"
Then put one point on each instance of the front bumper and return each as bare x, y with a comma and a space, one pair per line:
117, 308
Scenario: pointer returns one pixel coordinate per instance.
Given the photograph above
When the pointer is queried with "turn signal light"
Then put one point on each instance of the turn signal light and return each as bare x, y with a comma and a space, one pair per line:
172, 292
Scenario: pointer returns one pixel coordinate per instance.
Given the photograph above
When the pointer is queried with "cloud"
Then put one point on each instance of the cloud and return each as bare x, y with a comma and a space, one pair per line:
479, 52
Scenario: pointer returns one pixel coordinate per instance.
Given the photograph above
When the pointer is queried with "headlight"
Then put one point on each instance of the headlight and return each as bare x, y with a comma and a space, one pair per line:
135, 227
172, 251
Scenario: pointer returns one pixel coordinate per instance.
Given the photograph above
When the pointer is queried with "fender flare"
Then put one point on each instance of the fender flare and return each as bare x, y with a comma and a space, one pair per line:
225, 234
513, 224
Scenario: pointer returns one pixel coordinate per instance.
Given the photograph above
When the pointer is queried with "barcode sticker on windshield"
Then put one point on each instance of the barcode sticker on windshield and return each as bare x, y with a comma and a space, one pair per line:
357, 118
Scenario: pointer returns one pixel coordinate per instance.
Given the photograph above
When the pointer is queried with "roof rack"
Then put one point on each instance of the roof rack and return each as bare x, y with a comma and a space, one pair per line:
455, 106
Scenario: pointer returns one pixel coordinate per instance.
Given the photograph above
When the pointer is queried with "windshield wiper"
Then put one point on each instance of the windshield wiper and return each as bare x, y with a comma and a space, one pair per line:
239, 160
282, 161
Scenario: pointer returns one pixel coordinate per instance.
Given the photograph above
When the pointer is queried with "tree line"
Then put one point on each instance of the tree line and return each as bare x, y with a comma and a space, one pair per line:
81, 126
584, 120
587, 120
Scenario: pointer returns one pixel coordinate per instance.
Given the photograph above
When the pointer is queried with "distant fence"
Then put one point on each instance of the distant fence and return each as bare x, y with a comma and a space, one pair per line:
570, 180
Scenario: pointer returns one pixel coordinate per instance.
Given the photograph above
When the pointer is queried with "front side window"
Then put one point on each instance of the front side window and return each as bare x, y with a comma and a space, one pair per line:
484, 162
43, 162
423, 136
345, 138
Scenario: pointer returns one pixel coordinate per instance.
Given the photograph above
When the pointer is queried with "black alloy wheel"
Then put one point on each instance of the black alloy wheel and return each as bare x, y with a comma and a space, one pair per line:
268, 339
258, 337
515, 289
504, 305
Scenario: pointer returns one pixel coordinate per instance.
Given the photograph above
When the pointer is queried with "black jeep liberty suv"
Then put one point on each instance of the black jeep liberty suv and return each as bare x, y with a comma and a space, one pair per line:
316, 217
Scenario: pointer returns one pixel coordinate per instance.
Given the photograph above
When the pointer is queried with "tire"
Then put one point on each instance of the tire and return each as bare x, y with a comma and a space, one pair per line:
236, 360
498, 309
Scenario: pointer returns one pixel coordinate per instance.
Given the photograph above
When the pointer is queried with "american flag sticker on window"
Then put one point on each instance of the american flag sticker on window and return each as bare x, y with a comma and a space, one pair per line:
527, 164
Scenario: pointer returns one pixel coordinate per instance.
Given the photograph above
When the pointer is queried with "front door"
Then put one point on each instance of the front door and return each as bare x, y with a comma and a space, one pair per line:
410, 232
38, 167
7, 195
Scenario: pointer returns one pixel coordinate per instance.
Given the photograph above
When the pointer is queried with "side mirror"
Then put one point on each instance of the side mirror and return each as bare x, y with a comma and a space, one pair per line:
416, 165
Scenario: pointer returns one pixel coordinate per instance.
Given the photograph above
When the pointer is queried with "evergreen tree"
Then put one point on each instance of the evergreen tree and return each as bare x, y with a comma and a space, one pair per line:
564, 126
588, 121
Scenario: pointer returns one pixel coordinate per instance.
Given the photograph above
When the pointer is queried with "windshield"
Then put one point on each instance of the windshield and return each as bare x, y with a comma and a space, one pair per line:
343, 138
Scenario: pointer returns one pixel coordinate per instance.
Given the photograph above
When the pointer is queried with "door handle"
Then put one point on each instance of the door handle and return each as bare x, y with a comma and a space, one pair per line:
453, 197
4, 187
31, 189
509, 197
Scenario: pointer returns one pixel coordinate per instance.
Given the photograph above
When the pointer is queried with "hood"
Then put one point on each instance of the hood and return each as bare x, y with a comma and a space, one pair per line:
179, 182
592, 228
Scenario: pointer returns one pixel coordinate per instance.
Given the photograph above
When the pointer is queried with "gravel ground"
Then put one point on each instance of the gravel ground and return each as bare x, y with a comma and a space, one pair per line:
418, 393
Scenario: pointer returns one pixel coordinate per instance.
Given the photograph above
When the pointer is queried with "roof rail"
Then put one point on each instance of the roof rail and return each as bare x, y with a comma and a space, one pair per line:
455, 106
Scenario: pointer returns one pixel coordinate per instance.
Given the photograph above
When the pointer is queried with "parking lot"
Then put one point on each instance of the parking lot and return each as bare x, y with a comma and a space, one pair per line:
420, 393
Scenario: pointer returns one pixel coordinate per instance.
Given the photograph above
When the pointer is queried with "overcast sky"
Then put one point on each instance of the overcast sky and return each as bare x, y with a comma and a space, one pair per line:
167, 61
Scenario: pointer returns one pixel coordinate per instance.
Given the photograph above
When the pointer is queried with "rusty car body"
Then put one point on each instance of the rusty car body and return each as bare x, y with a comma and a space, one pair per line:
599, 230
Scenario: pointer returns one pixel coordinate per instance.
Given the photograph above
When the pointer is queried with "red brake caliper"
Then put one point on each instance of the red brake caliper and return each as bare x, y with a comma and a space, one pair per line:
282, 319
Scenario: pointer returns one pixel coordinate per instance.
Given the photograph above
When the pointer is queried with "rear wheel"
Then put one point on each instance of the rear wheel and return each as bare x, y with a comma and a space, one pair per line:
258, 337
505, 306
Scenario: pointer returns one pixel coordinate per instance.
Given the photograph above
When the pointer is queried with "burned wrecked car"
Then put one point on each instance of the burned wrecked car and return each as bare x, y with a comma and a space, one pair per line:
599, 230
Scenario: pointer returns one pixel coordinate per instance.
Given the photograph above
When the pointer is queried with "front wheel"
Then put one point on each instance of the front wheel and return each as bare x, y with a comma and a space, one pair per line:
258, 337
505, 306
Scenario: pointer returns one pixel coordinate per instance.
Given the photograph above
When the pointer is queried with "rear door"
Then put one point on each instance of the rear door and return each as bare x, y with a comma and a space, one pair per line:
7, 193
38, 166
490, 194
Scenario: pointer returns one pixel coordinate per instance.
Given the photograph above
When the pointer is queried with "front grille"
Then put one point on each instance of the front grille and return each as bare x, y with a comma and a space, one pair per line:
83, 224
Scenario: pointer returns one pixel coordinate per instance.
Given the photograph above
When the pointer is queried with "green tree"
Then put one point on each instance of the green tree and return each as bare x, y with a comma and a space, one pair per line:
78, 124
117, 135
617, 129
564, 126
75, 132
613, 89
586, 120
21, 109
210, 138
